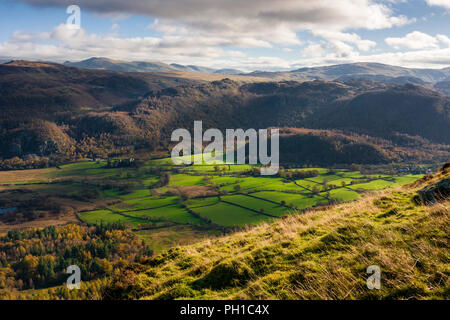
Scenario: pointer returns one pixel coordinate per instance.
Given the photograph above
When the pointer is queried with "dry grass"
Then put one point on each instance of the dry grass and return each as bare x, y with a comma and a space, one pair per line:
24, 176
211, 77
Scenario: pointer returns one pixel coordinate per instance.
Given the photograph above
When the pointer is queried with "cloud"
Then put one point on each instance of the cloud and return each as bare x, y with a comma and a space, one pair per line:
338, 44
444, 39
212, 33
64, 43
413, 40
250, 22
440, 3
434, 58
343, 42
314, 50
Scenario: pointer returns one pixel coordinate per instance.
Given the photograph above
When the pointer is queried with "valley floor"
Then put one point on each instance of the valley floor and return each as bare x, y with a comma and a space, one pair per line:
168, 205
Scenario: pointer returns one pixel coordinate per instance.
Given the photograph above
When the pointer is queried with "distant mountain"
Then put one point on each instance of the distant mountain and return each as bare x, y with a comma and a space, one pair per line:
121, 66
342, 73
443, 86
228, 71
191, 68
355, 70
141, 66
382, 78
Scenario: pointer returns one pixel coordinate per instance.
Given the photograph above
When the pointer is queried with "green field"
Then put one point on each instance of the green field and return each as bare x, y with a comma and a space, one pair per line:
106, 216
293, 200
202, 202
245, 200
185, 180
256, 204
223, 195
173, 213
144, 203
228, 215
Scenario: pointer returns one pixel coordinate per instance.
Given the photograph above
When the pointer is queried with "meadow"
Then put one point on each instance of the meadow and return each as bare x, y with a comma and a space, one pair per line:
211, 199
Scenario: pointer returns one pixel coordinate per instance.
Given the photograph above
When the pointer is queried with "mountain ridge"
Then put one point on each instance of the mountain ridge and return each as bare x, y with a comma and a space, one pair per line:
143, 66
331, 72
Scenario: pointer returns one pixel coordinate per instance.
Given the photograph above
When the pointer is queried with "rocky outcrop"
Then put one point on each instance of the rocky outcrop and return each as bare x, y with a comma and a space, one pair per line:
435, 192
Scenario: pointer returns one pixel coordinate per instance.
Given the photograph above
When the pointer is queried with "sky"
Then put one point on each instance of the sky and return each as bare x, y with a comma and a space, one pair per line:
247, 35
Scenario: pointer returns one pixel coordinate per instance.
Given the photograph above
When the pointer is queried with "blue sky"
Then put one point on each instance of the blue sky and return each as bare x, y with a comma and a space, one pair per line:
250, 35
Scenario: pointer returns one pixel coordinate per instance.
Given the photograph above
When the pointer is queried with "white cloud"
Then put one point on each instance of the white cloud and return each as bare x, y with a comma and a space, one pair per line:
64, 43
249, 23
434, 58
314, 50
207, 32
340, 40
413, 40
440, 3
444, 39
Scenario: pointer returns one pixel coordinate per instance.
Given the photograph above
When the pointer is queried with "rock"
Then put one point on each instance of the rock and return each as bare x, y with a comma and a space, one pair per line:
446, 167
435, 192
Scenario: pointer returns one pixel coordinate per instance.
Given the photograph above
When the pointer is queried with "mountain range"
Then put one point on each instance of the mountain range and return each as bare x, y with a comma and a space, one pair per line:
361, 70
432, 78
366, 71
142, 66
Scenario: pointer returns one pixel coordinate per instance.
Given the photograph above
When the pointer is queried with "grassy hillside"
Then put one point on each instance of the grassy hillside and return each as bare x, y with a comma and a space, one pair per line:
316, 255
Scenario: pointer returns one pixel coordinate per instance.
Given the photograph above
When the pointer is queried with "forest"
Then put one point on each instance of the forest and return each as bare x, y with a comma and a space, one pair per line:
38, 258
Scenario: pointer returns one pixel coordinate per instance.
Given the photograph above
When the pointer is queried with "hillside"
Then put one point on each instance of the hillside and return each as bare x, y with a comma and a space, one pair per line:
65, 113
316, 255
28, 89
399, 130
382, 78
143, 66
443, 86
357, 70
315, 104
407, 109
325, 147
367, 71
